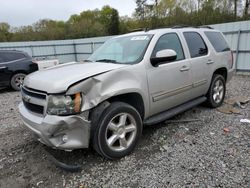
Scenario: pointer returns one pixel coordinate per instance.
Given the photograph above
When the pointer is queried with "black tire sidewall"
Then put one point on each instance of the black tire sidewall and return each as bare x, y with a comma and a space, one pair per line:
211, 101
108, 114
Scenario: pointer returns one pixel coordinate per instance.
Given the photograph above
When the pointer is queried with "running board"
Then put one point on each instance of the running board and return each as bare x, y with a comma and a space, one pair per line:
173, 111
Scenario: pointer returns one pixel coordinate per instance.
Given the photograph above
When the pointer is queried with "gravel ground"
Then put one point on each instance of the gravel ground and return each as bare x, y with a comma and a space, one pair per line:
194, 154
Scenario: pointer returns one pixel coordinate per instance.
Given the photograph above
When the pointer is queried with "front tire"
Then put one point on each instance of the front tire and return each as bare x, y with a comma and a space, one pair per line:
217, 91
118, 131
17, 81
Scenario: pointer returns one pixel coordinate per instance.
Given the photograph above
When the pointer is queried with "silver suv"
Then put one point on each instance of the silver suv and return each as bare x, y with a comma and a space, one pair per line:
141, 78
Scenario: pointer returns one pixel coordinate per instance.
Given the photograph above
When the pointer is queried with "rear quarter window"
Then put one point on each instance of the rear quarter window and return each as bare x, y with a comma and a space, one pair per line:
8, 56
217, 41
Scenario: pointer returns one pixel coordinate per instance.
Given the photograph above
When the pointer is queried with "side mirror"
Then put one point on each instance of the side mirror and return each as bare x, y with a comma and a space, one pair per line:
163, 56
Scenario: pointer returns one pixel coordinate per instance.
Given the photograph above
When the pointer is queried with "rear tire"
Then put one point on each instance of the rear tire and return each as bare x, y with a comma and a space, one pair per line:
216, 92
117, 131
17, 81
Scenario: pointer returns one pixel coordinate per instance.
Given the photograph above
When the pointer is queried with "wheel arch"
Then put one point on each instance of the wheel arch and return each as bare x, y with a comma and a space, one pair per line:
221, 71
134, 99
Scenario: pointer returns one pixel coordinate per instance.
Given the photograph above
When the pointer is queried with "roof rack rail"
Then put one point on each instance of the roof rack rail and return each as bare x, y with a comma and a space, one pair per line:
199, 27
206, 26
180, 26
140, 29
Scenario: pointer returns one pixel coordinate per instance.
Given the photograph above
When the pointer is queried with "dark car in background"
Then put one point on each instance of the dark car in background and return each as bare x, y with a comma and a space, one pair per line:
14, 66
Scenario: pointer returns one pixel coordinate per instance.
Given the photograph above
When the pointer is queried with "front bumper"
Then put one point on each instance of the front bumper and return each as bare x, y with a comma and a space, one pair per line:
60, 132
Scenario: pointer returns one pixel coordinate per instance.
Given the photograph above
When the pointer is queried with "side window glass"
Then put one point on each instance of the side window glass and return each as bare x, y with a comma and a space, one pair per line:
217, 40
196, 45
169, 41
7, 56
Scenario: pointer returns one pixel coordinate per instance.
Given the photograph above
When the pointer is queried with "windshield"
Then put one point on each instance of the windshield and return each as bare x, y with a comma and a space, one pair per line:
124, 50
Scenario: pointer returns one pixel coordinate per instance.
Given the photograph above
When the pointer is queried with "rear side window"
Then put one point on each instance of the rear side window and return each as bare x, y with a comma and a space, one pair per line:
218, 41
169, 41
8, 56
196, 44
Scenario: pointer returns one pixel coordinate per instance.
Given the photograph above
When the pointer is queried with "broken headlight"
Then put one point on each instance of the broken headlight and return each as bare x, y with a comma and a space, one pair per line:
64, 104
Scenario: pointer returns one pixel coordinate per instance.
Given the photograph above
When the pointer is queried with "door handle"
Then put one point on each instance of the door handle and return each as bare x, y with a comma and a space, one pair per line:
184, 68
210, 62
2, 67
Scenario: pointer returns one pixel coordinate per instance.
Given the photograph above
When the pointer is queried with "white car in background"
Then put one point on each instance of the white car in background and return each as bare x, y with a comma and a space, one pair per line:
44, 64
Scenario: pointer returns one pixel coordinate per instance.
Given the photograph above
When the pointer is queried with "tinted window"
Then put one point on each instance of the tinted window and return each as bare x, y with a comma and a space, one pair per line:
196, 45
169, 41
218, 41
8, 56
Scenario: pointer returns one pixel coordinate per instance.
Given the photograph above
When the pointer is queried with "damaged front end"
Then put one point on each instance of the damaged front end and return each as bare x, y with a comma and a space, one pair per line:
57, 120
61, 132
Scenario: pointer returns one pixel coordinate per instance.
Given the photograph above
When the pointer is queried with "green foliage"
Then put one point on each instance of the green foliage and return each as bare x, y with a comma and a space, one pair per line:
5, 34
110, 20
148, 14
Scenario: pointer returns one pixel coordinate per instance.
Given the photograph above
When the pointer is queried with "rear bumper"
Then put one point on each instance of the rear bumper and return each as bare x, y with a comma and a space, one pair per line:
60, 132
231, 72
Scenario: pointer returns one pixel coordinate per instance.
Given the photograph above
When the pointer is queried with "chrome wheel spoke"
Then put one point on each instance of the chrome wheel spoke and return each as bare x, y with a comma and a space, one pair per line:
123, 119
218, 98
112, 126
217, 84
214, 96
113, 139
123, 142
221, 89
130, 128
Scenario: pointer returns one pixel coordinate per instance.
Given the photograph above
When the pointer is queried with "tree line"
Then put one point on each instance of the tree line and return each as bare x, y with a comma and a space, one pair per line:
148, 14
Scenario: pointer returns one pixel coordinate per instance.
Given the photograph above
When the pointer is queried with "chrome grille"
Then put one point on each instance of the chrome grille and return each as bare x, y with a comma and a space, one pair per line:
34, 101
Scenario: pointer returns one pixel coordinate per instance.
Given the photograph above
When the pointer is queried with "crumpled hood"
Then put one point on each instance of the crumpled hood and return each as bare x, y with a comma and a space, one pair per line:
57, 79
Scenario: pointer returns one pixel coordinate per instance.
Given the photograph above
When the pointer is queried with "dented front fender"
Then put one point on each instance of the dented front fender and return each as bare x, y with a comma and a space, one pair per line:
102, 87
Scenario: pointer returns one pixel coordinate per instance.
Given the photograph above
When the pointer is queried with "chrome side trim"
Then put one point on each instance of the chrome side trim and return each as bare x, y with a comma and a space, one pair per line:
199, 83
164, 94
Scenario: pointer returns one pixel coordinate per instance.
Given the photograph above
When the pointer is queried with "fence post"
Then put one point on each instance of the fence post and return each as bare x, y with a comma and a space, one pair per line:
75, 52
54, 48
32, 51
92, 47
237, 50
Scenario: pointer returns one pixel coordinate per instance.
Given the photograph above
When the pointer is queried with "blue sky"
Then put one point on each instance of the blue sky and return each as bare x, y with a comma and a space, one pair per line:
26, 12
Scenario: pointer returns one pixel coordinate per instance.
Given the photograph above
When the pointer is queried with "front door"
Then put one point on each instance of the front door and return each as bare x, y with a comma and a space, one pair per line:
169, 83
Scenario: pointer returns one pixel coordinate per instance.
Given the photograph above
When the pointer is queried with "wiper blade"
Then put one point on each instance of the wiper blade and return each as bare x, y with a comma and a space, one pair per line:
107, 60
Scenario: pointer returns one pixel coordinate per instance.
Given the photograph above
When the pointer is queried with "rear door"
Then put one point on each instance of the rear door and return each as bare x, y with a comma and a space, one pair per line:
169, 83
200, 58
221, 54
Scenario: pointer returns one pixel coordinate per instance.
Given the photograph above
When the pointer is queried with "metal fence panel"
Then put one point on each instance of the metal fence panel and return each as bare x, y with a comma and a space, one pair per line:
63, 50
238, 37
